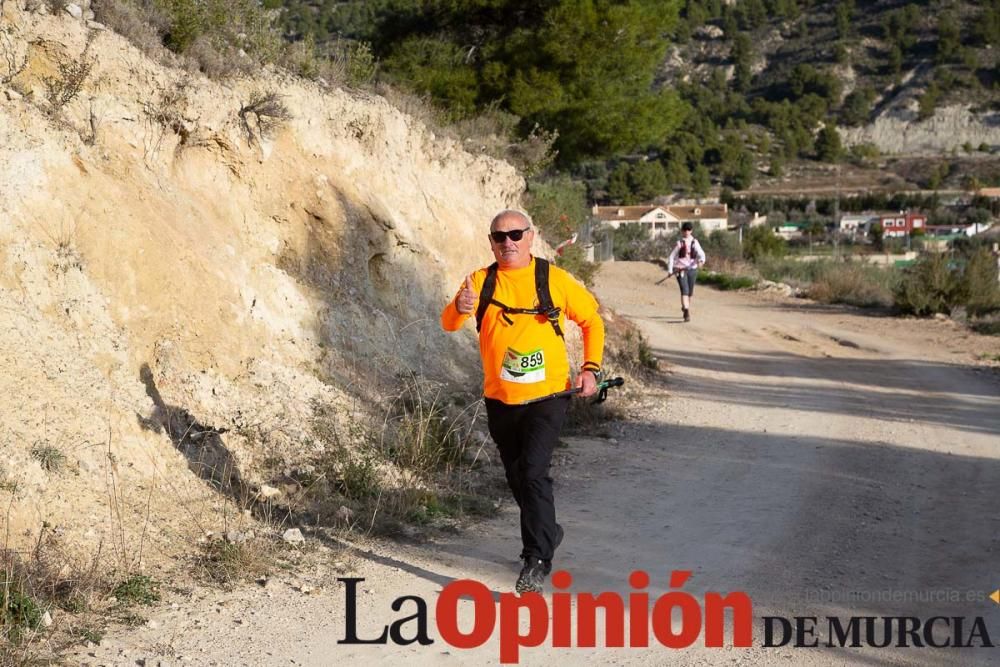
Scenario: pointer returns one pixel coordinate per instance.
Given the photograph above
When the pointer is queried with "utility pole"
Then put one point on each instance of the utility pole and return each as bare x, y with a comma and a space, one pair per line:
836, 219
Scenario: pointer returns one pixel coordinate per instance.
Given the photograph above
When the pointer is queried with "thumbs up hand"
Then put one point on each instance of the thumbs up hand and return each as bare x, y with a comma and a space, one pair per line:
467, 297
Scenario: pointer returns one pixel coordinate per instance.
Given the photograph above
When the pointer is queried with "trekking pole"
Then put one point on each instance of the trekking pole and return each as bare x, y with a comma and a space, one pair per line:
670, 275
602, 391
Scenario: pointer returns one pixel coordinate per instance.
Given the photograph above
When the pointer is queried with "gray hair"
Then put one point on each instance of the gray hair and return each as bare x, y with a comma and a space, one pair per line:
511, 211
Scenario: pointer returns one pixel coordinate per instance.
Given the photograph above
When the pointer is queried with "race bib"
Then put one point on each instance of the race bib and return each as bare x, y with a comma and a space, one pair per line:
523, 367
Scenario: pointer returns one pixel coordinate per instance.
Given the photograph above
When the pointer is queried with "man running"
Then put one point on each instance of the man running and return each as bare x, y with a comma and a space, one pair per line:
521, 320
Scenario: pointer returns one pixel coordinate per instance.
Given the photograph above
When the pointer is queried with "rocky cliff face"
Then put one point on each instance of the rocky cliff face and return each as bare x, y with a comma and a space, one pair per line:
899, 131
178, 282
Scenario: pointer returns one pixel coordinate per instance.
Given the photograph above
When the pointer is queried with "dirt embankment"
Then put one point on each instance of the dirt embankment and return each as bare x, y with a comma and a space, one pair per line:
172, 274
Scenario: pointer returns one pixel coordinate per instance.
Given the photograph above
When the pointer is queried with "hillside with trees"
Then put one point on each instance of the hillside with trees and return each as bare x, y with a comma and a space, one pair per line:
645, 97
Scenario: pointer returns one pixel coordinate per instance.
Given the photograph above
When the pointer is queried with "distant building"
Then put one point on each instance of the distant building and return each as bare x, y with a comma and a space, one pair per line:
791, 230
952, 231
902, 223
662, 220
853, 225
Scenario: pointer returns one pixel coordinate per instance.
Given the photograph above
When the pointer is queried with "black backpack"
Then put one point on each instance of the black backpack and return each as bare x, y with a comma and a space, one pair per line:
545, 305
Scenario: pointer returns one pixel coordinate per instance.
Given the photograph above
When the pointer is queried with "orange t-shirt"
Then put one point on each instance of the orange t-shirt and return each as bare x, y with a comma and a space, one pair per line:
525, 359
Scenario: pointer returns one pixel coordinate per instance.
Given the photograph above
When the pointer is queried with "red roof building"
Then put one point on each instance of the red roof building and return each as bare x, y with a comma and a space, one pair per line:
902, 223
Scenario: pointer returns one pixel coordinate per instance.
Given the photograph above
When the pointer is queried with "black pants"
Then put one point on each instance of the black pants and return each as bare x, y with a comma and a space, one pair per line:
526, 435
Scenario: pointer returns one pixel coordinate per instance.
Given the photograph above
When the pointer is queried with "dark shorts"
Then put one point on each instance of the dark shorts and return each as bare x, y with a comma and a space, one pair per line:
686, 279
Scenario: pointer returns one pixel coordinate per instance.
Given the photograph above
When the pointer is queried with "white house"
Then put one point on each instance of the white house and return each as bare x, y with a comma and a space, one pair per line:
661, 220
855, 224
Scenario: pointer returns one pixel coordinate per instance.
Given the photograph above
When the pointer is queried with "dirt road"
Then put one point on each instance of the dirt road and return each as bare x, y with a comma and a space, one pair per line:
826, 462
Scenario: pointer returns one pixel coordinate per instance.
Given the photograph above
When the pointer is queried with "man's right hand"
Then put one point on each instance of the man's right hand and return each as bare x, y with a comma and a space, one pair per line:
467, 296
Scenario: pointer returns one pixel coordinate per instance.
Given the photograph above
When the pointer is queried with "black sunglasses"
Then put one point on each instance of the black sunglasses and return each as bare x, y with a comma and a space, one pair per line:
514, 234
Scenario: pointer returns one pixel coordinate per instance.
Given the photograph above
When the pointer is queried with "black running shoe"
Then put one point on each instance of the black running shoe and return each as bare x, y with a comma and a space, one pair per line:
532, 576
687, 315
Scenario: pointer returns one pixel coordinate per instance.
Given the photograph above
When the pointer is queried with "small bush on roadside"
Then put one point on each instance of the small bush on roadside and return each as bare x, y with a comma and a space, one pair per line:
761, 242
19, 612
424, 435
426, 506
223, 561
46, 577
359, 478
930, 285
722, 244
852, 283
987, 327
725, 281
980, 288
137, 589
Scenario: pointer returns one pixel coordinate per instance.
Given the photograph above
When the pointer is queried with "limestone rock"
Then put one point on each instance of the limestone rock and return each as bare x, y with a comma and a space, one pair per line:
293, 536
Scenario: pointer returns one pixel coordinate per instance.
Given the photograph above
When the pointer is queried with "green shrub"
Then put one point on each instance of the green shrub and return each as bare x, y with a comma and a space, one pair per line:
633, 353
629, 241
761, 242
930, 285
980, 288
987, 328
358, 479
426, 506
18, 611
722, 244
725, 281
90, 635
853, 283
828, 144
574, 260
137, 589
221, 38
558, 206
357, 62
832, 281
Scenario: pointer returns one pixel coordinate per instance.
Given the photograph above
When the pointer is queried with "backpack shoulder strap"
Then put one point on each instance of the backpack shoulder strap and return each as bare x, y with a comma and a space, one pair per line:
545, 304
486, 293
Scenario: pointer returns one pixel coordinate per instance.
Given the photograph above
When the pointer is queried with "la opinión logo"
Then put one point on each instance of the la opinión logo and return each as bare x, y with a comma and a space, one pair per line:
646, 617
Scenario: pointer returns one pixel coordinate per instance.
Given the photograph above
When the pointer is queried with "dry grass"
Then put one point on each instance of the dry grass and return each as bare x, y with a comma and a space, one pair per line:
38, 582
142, 23
423, 431
414, 458
222, 561
853, 284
